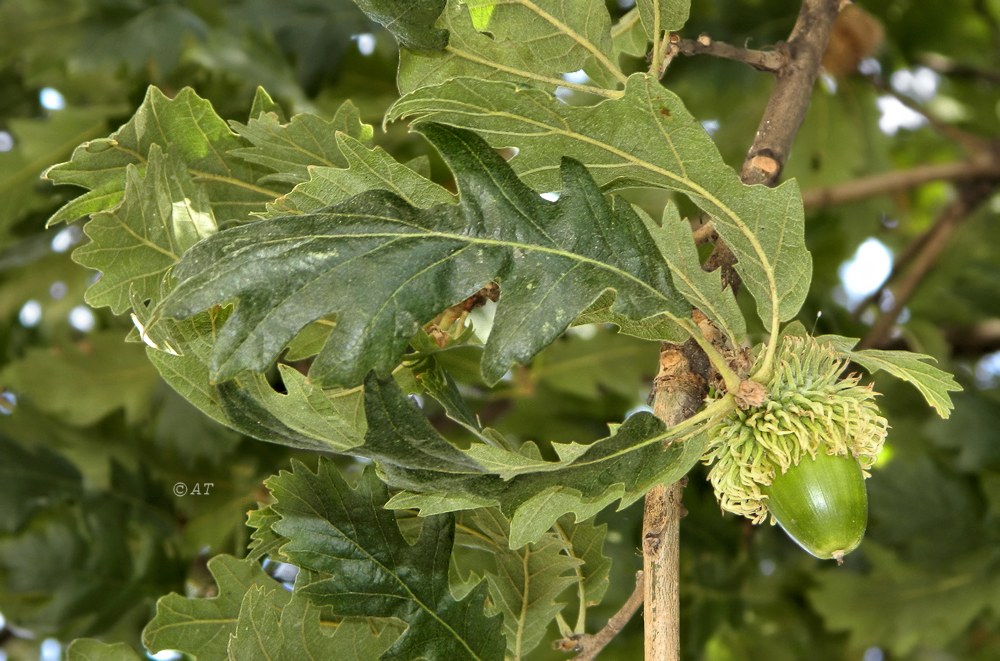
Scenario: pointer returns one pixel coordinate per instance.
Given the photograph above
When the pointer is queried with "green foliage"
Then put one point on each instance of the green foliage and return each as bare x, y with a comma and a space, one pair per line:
114, 568
413, 264
410, 21
299, 276
351, 545
666, 15
533, 492
528, 43
524, 583
185, 126
88, 649
119, 376
252, 608
763, 226
929, 607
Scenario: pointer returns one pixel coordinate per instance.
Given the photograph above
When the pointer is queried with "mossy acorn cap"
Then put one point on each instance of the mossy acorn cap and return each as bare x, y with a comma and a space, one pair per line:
809, 409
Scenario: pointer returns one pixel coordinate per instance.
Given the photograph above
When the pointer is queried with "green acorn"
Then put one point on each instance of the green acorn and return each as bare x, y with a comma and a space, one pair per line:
802, 455
822, 504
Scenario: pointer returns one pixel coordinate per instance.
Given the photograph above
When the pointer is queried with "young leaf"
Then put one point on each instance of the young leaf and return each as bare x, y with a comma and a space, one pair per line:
88, 649
272, 626
704, 290
667, 15
290, 149
410, 21
629, 36
524, 583
366, 169
763, 226
352, 546
531, 43
264, 542
585, 541
384, 268
412, 456
186, 126
202, 627
133, 245
933, 383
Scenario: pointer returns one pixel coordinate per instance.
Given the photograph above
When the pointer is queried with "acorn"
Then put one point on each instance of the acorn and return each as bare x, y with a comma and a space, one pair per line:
801, 456
821, 504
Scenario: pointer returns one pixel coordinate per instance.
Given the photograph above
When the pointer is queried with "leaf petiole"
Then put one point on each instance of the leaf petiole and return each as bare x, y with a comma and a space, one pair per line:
729, 377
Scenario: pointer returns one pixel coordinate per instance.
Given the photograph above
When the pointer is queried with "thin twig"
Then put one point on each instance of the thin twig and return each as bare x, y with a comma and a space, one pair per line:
762, 60
590, 645
949, 67
899, 180
944, 228
972, 142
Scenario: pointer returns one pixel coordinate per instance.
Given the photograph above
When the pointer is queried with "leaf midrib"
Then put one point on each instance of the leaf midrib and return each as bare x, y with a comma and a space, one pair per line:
695, 188
425, 234
390, 571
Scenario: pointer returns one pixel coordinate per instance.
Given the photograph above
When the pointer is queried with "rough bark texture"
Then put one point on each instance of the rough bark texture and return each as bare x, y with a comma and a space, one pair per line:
678, 391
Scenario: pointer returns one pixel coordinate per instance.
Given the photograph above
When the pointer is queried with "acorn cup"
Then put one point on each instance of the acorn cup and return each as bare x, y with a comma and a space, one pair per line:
802, 456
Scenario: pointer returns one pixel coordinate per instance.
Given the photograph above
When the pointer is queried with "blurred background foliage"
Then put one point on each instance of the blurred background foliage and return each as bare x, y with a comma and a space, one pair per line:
92, 441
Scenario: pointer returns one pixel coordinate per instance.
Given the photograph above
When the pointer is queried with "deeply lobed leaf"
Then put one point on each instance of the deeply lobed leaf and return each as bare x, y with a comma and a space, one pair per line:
648, 138
385, 268
189, 128
524, 583
133, 245
352, 546
436, 476
528, 42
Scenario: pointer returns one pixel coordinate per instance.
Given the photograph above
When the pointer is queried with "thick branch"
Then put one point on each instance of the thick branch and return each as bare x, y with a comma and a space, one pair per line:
661, 563
590, 646
792, 91
948, 221
785, 110
898, 180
